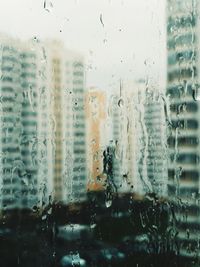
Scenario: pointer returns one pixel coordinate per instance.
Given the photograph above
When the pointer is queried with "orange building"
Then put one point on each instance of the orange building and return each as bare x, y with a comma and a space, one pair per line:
96, 117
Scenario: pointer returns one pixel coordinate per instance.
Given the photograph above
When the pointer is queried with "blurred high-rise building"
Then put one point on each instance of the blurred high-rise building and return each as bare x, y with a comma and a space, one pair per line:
66, 82
139, 140
145, 132
182, 90
136, 148
43, 142
156, 141
24, 144
96, 139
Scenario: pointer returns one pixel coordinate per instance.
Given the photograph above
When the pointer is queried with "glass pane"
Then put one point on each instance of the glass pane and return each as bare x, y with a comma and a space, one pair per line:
99, 131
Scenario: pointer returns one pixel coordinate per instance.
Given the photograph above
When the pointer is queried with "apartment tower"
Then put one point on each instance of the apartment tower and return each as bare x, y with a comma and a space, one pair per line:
183, 138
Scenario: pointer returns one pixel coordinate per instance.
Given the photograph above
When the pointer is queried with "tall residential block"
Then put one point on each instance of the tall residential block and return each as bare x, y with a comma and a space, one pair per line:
23, 135
139, 136
43, 142
184, 131
96, 139
146, 146
66, 82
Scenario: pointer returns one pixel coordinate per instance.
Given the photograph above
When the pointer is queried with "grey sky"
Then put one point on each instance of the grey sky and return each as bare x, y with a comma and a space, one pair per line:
120, 38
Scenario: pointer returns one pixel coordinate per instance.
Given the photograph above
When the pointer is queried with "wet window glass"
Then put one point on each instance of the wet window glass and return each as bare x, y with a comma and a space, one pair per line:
99, 133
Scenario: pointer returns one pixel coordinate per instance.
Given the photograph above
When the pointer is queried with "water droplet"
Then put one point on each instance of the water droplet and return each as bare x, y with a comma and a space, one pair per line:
120, 102
108, 203
49, 211
142, 221
101, 20
196, 94
44, 217
48, 5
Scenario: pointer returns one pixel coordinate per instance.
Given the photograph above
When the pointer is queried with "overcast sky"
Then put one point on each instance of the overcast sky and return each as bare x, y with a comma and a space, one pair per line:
121, 39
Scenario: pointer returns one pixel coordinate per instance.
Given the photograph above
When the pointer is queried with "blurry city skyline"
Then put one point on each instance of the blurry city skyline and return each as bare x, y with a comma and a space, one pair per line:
99, 133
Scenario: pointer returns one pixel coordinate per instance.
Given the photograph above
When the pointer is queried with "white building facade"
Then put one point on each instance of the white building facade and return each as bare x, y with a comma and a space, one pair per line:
43, 143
